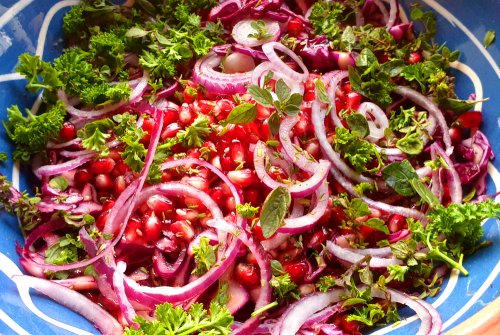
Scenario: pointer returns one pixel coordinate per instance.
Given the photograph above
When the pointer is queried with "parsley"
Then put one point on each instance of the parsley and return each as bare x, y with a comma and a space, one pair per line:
326, 283
31, 133
195, 133
357, 151
284, 288
205, 256
176, 321
64, 251
247, 210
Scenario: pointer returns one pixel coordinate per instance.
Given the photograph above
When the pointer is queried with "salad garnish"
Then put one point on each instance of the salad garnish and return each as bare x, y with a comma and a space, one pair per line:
248, 167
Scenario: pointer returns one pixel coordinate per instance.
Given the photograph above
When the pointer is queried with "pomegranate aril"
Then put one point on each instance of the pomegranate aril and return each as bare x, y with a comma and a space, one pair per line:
161, 205
297, 270
242, 178
151, 227
197, 182
309, 96
222, 108
103, 182
119, 185
353, 100
252, 196
396, 223
67, 132
455, 135
263, 112
82, 177
295, 27
277, 173
101, 220
102, 165
185, 115
133, 232
170, 131
182, 230
108, 204
188, 214
414, 58
470, 120
247, 275
230, 204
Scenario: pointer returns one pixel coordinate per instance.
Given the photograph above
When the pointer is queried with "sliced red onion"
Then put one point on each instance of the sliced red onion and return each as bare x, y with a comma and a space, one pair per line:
398, 236
432, 108
167, 92
430, 320
243, 29
74, 154
219, 82
165, 269
280, 66
224, 9
260, 71
79, 283
297, 190
406, 212
346, 255
337, 77
256, 54
377, 120
75, 141
398, 31
299, 312
393, 13
238, 296
51, 170
125, 306
87, 207
454, 183
75, 301
317, 119
383, 252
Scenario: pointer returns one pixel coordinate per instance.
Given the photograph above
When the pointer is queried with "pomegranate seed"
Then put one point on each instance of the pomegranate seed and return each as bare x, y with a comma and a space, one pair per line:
252, 196
242, 178
470, 120
295, 27
103, 182
277, 173
455, 135
414, 58
317, 240
171, 114
119, 185
170, 131
151, 227
190, 94
121, 168
262, 112
217, 195
185, 115
309, 96
230, 204
238, 152
101, 220
67, 132
148, 125
396, 223
198, 182
222, 108
313, 149
353, 100
161, 205
247, 275
102, 165
182, 230
133, 231
82, 177
297, 270
188, 214
108, 204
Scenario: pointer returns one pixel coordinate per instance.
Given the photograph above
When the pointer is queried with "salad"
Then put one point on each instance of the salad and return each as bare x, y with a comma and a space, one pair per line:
247, 167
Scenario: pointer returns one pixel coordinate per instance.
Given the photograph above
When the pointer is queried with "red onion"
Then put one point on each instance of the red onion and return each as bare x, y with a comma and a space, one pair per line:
224, 9
393, 13
78, 283
282, 67
377, 124
347, 255
243, 29
75, 301
299, 312
54, 169
219, 82
454, 183
125, 305
256, 54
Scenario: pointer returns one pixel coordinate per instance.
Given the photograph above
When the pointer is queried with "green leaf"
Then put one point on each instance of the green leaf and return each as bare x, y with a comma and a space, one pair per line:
489, 38
261, 95
321, 93
348, 38
274, 123
247, 210
284, 288
357, 122
242, 114
277, 268
425, 194
291, 110
283, 92
459, 106
59, 183
412, 143
136, 32
393, 67
274, 210
205, 256
378, 224
398, 176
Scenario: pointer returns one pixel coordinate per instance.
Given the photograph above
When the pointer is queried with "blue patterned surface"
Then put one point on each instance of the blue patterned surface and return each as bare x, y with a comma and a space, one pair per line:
20, 33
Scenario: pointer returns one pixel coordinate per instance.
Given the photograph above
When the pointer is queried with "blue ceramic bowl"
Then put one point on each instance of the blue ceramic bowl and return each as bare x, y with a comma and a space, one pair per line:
35, 27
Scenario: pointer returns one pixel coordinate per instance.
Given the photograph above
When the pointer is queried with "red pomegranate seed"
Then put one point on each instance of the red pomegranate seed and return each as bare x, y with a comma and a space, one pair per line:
185, 115
277, 173
396, 223
151, 227
108, 204
182, 230
133, 232
295, 27
470, 120
222, 108
262, 112
67, 132
102, 165
103, 182
455, 135
414, 58
148, 125
101, 220
252, 196
119, 185
230, 204
353, 100
297, 270
247, 275
217, 195
198, 182
309, 96
188, 214
161, 205
317, 240
170, 131
238, 152
170, 115
121, 168
82, 177
242, 178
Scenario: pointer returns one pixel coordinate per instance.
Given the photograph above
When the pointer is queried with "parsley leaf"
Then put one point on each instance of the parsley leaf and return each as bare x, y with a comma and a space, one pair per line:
205, 256
247, 210
356, 150
284, 288
194, 134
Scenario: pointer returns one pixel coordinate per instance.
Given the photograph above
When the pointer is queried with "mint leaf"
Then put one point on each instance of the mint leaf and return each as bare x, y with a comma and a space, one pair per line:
398, 176
489, 38
59, 183
274, 210
283, 92
261, 95
425, 194
321, 93
242, 114
274, 123
357, 122
378, 224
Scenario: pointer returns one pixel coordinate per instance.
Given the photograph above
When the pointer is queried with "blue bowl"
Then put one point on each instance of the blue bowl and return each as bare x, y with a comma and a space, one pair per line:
35, 27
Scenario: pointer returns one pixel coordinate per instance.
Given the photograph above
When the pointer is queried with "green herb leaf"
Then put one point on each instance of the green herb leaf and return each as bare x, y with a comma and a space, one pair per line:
247, 210
274, 123
412, 143
357, 122
59, 183
321, 93
378, 224
204, 256
274, 210
425, 194
242, 114
283, 92
489, 38
261, 95
459, 106
398, 176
